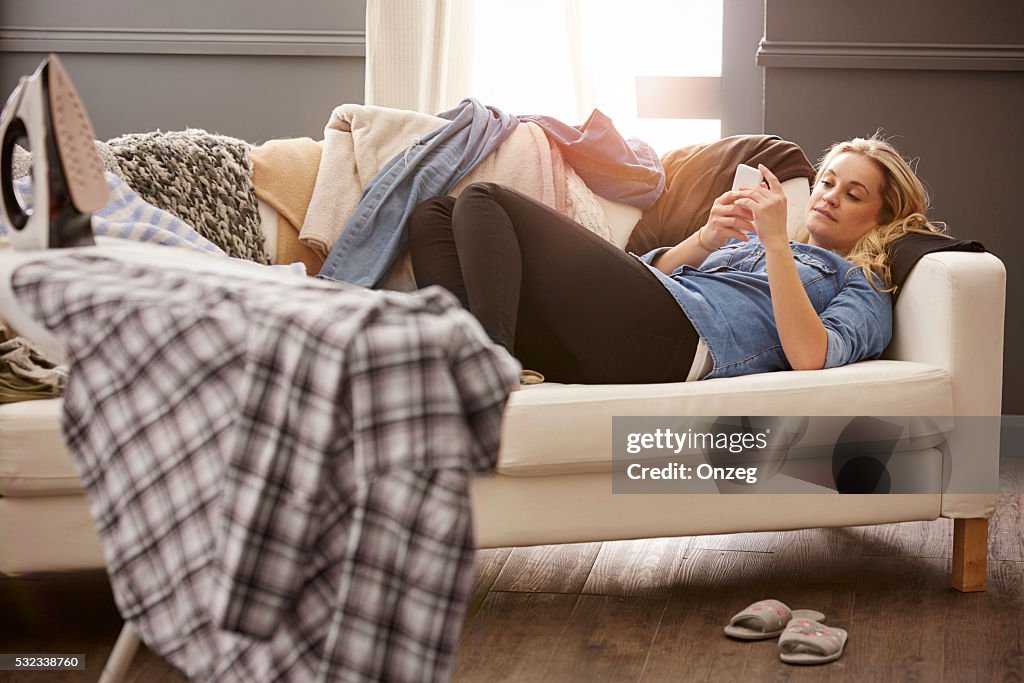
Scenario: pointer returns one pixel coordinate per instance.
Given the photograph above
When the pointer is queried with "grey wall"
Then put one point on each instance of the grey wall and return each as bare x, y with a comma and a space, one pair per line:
946, 79
251, 69
742, 79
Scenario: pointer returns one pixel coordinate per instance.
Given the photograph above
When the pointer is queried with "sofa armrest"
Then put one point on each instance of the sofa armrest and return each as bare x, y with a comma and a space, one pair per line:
951, 315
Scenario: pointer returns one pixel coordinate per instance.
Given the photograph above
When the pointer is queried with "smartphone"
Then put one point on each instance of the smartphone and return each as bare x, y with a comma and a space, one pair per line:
746, 176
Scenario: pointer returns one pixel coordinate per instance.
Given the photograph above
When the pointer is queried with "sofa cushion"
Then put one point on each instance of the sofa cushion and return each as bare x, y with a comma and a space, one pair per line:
47, 534
33, 461
562, 429
535, 440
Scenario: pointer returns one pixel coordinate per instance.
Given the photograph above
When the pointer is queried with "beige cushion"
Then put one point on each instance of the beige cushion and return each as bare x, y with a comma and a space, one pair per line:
535, 441
562, 429
33, 461
47, 534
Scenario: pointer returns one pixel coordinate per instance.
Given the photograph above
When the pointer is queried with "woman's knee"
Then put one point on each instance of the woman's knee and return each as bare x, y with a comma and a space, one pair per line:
430, 219
483, 207
482, 188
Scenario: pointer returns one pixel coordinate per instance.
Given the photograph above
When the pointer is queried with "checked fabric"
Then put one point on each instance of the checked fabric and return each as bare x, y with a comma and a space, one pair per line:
277, 468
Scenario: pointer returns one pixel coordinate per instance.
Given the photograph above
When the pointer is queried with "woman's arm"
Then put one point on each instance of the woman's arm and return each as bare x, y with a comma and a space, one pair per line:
726, 221
801, 331
803, 336
689, 252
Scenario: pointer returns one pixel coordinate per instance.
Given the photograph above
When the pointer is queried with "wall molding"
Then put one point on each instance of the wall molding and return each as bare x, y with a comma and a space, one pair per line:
935, 56
158, 41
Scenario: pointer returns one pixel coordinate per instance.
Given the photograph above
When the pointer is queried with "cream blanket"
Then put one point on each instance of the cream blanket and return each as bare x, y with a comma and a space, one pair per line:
359, 140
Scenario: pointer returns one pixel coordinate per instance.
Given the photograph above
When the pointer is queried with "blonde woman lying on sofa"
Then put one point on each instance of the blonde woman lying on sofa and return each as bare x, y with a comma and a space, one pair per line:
576, 309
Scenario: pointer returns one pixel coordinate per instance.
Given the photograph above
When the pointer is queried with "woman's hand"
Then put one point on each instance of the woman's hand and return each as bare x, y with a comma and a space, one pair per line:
767, 205
727, 221
732, 216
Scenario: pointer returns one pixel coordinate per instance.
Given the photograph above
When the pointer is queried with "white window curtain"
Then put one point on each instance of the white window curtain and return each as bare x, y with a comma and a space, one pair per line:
426, 55
418, 53
562, 58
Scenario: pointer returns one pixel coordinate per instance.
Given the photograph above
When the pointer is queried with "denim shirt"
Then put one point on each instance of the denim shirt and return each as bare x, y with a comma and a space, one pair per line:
729, 303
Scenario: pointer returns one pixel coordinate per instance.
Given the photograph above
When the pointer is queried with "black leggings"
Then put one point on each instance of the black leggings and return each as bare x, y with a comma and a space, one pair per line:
562, 300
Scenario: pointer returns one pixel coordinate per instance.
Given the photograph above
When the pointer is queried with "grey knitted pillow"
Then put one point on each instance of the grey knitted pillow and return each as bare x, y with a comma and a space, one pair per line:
203, 178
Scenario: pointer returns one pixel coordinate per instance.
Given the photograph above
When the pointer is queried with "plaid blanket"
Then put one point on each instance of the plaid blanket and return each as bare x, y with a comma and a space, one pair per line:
277, 468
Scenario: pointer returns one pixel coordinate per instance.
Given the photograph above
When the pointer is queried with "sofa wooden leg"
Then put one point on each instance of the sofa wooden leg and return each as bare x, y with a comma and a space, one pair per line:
970, 554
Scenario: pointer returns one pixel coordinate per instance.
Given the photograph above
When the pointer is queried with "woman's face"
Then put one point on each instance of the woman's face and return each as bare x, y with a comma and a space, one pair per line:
845, 203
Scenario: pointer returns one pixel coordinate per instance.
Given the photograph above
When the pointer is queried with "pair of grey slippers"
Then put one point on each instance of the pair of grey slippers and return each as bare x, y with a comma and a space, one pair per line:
803, 638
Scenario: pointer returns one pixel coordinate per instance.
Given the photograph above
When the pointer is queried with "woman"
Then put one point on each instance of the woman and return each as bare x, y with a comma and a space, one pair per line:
575, 308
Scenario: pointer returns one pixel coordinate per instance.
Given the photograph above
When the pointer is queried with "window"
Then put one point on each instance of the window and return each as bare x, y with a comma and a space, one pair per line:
653, 66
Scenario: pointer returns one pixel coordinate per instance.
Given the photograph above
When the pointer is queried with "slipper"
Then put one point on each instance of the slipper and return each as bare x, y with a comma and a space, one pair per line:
766, 619
808, 642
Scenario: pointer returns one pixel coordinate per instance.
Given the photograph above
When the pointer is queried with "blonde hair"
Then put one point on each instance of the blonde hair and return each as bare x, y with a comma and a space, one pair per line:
904, 203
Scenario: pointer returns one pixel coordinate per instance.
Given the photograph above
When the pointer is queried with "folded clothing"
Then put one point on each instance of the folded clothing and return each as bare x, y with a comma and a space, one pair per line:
25, 373
283, 176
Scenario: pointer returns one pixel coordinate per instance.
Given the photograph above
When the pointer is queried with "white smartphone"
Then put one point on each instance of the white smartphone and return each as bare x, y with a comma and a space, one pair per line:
746, 176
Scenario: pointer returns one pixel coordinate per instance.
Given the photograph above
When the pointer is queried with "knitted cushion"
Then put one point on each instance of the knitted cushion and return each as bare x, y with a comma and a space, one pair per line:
204, 179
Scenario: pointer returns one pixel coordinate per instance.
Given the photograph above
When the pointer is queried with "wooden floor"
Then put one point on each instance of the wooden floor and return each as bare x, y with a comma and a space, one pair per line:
653, 610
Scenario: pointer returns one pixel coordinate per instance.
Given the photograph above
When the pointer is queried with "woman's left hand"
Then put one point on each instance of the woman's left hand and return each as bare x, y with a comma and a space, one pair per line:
768, 204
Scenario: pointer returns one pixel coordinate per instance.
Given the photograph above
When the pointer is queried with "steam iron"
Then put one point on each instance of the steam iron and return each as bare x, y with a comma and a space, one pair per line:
67, 174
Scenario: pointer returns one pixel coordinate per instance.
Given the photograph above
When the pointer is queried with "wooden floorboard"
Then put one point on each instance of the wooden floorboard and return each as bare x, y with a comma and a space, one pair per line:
711, 586
897, 629
985, 641
489, 564
644, 568
606, 638
548, 568
513, 637
756, 542
910, 539
1006, 528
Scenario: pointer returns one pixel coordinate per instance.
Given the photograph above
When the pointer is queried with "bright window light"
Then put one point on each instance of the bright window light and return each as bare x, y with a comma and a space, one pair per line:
565, 57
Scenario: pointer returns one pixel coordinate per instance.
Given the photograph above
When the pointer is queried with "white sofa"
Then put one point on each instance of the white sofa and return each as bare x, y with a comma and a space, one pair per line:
553, 483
